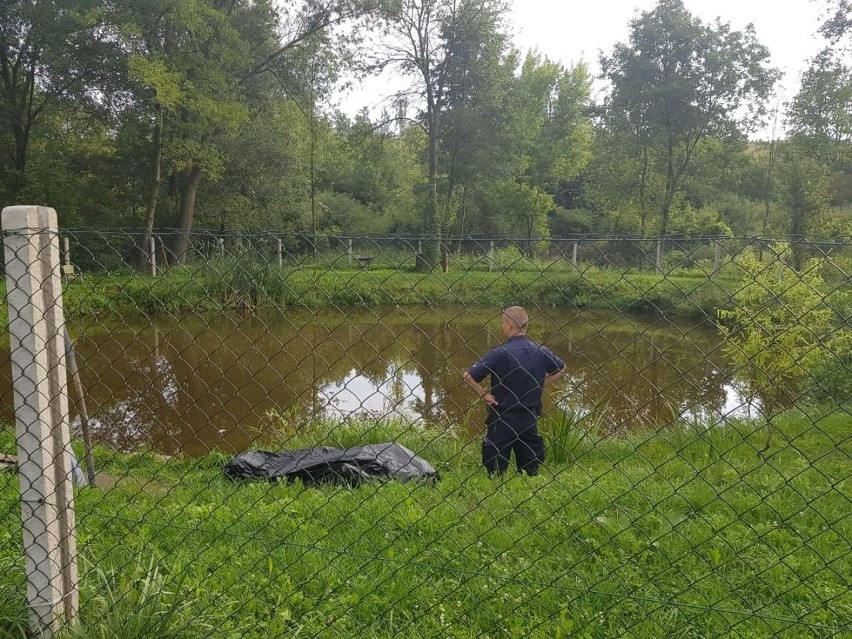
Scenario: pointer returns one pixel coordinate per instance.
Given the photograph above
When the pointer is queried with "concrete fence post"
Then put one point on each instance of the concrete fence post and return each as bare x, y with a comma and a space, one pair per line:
152, 248
659, 261
574, 254
491, 260
717, 256
37, 347
280, 254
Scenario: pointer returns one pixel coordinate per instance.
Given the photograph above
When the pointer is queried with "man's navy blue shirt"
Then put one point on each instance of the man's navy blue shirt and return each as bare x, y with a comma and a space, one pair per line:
517, 368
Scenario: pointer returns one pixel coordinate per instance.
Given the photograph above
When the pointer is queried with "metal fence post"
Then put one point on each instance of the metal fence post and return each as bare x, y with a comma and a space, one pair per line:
36, 333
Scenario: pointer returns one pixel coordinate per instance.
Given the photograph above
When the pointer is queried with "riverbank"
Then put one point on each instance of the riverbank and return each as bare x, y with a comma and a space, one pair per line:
686, 533
256, 285
249, 285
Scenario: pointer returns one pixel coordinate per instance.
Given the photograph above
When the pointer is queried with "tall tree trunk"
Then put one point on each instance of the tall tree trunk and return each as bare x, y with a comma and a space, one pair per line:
19, 115
154, 191
22, 137
431, 248
643, 204
798, 224
190, 181
16, 178
463, 212
671, 187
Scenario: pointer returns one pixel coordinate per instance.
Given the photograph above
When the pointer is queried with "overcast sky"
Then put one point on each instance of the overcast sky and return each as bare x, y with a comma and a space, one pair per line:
569, 31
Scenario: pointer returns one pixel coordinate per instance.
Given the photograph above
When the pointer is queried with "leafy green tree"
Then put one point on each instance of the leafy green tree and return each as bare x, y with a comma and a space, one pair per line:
820, 115
74, 165
370, 175
425, 36
562, 143
51, 52
538, 131
775, 333
265, 182
205, 72
804, 184
516, 208
183, 63
838, 27
678, 82
477, 131
817, 167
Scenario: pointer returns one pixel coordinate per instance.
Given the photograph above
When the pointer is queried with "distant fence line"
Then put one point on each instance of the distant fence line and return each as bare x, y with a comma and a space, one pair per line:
85, 248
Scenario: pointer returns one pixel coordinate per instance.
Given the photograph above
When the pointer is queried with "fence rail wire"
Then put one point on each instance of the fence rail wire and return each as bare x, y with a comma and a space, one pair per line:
697, 451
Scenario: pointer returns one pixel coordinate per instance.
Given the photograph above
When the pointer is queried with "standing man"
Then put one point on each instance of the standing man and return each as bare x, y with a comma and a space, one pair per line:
519, 369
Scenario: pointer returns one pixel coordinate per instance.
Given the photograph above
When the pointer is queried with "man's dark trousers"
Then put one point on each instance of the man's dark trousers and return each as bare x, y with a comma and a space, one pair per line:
512, 431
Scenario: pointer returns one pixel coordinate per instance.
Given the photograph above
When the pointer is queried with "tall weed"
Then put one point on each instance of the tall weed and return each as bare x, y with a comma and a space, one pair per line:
138, 603
570, 432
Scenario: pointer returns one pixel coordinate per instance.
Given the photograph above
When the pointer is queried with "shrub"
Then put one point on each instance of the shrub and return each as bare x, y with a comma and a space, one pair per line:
247, 282
832, 372
775, 330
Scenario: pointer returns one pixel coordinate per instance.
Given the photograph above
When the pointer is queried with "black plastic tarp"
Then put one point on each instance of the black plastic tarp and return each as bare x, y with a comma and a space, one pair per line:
332, 465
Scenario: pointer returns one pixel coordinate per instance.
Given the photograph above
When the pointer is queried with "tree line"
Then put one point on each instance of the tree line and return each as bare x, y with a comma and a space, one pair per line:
215, 113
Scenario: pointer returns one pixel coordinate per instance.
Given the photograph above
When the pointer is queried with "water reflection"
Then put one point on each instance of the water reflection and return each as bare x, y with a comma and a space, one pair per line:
399, 396
201, 382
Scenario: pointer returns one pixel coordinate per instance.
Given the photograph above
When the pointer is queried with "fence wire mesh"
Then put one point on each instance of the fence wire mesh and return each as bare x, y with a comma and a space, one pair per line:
696, 480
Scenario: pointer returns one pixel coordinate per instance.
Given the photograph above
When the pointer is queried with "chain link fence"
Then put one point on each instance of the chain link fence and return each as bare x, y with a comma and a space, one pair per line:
696, 480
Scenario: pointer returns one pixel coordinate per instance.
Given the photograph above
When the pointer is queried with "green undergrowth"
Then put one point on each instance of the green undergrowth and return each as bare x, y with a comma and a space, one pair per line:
253, 285
682, 533
256, 285
685, 296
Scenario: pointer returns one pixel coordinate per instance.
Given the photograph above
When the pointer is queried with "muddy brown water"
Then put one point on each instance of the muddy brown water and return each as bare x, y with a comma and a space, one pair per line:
203, 382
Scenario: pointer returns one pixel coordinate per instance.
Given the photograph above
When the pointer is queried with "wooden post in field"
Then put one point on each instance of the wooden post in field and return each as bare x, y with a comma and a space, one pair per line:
37, 353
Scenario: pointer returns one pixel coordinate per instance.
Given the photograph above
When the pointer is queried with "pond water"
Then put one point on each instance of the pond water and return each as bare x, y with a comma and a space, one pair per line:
203, 382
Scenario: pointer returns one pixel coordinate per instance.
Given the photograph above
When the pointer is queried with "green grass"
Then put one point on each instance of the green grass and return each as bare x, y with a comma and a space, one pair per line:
683, 533
221, 285
249, 283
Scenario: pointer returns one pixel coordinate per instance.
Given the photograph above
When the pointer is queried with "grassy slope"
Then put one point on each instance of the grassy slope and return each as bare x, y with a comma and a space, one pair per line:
187, 289
680, 535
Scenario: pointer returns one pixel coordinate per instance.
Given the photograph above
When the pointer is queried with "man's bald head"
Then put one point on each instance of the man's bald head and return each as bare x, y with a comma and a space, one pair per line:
517, 316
